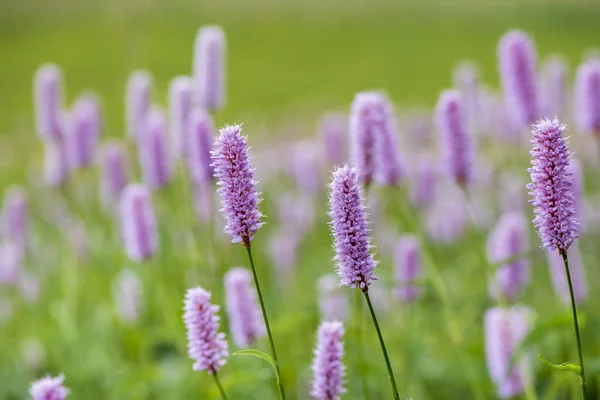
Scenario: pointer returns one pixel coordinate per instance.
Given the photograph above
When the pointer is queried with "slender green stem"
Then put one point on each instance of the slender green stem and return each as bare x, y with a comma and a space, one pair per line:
385, 354
218, 382
582, 379
267, 326
360, 355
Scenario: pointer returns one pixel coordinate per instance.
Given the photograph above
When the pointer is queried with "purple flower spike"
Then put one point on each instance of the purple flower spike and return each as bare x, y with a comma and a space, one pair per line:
550, 187
128, 297
505, 329
201, 131
407, 259
587, 97
235, 175
506, 240
456, 144
372, 131
245, 318
205, 345
138, 222
553, 88
15, 217
114, 171
518, 73
49, 388
138, 100
355, 263
180, 106
83, 133
48, 100
155, 157
209, 67
56, 170
328, 369
333, 128
559, 277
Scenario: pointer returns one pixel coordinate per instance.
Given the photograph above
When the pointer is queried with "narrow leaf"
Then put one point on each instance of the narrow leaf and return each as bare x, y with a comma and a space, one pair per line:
562, 367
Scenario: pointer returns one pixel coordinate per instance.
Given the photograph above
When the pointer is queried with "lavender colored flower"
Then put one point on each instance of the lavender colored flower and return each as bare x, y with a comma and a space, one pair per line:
114, 171
209, 67
466, 80
137, 102
407, 261
559, 276
550, 187
455, 142
56, 170
505, 329
372, 130
180, 106
587, 97
235, 175
328, 369
48, 101
553, 88
518, 75
508, 239
354, 260
245, 318
155, 157
333, 128
333, 304
49, 388
138, 222
10, 263
15, 217
200, 133
83, 133
205, 345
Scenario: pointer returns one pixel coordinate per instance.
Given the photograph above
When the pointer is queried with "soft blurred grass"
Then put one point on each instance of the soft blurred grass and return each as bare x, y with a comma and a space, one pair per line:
285, 58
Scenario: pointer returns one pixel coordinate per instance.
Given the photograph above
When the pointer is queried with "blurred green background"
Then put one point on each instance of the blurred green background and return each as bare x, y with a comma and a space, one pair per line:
285, 60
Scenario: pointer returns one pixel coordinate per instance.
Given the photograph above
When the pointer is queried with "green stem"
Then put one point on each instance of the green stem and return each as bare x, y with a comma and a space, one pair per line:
223, 395
360, 357
267, 326
385, 354
582, 379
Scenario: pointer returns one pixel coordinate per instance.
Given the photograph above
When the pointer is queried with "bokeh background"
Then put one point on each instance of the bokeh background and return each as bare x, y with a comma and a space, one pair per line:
288, 62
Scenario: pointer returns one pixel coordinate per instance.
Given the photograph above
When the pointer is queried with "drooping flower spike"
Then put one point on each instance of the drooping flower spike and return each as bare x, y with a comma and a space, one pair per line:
209, 67
551, 186
206, 345
237, 187
328, 369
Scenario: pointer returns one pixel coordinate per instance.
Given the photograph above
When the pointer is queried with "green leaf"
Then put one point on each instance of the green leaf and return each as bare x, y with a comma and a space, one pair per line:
562, 367
259, 354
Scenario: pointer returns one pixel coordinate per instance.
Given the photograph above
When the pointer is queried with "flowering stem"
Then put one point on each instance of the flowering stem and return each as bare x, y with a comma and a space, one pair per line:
267, 326
582, 379
385, 354
218, 382
357, 317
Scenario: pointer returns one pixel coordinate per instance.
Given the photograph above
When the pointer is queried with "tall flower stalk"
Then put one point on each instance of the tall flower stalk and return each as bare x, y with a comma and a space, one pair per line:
355, 263
239, 205
554, 202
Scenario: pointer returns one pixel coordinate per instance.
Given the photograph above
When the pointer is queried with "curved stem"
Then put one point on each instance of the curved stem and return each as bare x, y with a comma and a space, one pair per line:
385, 354
582, 379
223, 395
267, 326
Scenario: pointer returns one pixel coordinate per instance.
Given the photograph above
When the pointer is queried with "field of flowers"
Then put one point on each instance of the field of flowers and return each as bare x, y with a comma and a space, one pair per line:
357, 201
